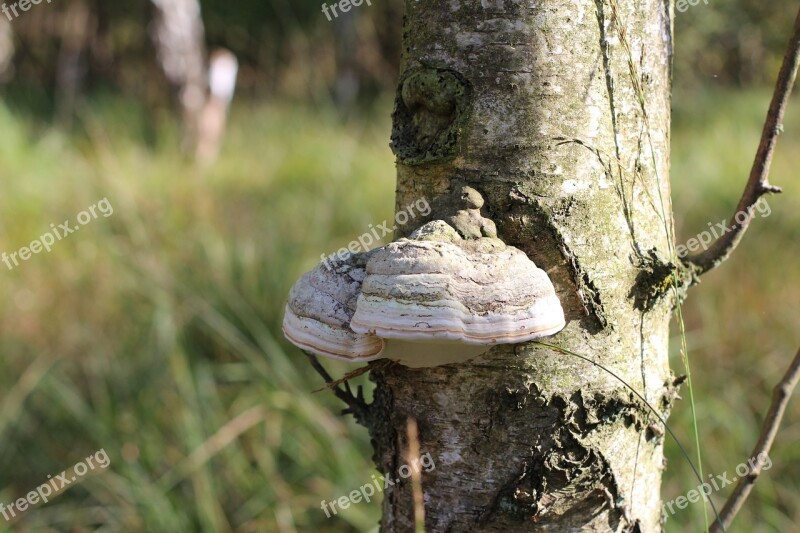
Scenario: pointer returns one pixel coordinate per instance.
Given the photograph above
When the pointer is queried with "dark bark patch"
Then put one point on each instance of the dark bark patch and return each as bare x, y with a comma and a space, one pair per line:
656, 278
561, 477
383, 434
540, 232
432, 110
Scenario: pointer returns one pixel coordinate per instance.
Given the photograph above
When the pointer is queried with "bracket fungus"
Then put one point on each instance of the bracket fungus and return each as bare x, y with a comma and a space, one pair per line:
320, 307
446, 294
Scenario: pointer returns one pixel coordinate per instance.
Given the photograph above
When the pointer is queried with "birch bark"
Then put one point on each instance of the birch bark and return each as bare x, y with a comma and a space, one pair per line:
540, 107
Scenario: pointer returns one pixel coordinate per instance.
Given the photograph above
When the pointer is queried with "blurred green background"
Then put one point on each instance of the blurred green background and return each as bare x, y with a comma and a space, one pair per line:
155, 335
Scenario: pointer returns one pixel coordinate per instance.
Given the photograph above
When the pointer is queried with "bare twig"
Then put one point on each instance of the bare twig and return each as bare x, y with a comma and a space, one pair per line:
356, 404
780, 399
378, 365
758, 184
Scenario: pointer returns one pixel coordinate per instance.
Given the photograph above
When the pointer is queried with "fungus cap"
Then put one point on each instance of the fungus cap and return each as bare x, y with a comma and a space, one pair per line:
418, 290
320, 307
446, 294
437, 289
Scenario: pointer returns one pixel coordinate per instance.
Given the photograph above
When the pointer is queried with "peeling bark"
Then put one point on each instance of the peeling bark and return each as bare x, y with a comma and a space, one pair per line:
534, 104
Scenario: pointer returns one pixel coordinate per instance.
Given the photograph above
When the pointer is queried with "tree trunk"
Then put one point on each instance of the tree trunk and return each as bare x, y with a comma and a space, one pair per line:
222, 71
6, 50
537, 105
179, 38
76, 31
347, 85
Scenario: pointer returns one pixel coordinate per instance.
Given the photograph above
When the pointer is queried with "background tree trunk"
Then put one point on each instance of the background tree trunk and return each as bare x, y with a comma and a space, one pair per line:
347, 84
179, 38
535, 104
222, 71
6, 50
76, 32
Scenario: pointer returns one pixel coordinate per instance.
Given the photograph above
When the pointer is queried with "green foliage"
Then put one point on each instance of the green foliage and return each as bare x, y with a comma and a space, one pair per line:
152, 330
154, 333
289, 48
732, 43
742, 320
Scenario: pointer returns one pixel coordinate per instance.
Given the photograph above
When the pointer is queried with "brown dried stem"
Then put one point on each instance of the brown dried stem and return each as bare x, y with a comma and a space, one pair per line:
758, 184
356, 404
413, 459
780, 399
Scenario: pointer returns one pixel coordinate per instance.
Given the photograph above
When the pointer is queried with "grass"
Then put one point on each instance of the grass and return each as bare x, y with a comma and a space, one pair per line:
743, 320
154, 333
149, 333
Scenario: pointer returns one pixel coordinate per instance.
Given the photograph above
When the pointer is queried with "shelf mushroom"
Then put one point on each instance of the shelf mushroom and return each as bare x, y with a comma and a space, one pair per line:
446, 294
320, 307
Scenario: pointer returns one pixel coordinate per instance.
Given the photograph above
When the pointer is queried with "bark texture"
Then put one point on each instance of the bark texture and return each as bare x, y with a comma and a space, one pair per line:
535, 105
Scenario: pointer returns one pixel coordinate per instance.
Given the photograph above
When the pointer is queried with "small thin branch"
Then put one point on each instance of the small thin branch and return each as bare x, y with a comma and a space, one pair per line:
378, 365
780, 399
758, 184
356, 404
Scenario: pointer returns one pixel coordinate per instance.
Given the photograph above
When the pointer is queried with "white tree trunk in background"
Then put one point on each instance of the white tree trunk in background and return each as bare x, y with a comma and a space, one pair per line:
179, 37
6, 50
222, 72
205, 93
